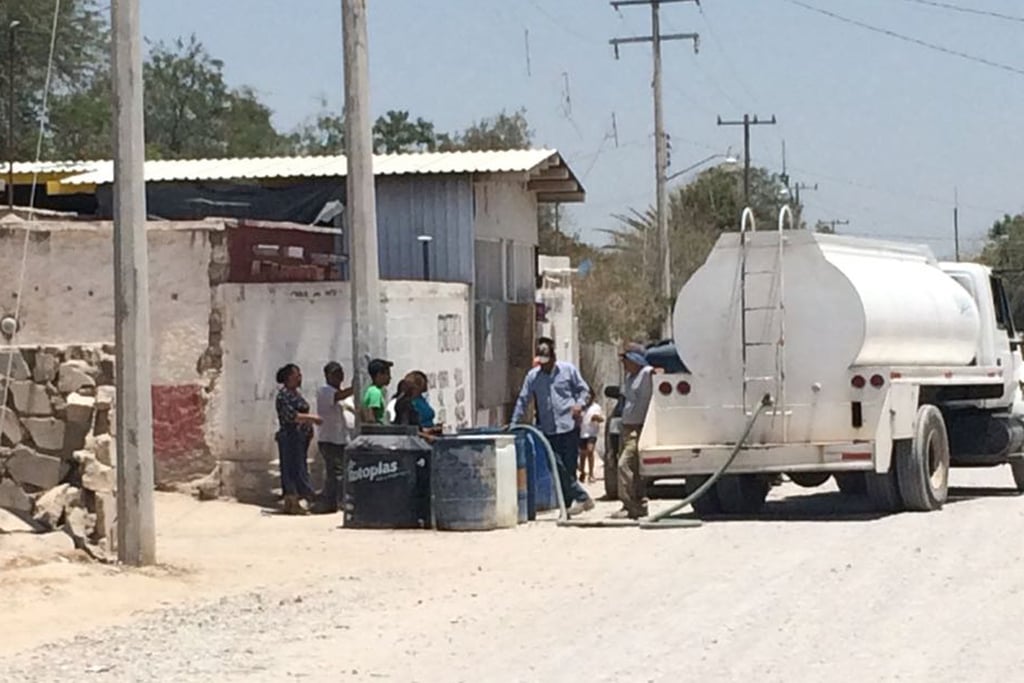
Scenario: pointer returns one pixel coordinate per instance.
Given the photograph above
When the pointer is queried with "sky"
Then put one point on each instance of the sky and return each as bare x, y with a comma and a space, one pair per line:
887, 129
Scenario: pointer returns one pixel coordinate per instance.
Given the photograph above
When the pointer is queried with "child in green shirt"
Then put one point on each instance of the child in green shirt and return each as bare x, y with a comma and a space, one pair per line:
374, 400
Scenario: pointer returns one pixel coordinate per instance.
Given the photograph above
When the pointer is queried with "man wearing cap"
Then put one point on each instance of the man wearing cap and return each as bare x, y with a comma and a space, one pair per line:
374, 401
559, 395
636, 394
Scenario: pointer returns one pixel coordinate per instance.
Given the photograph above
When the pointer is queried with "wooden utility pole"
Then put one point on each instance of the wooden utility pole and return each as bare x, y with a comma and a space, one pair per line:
136, 536
360, 199
747, 122
660, 140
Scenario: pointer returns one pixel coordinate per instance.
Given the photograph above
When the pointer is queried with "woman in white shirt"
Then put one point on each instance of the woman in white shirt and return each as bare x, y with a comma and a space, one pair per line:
590, 428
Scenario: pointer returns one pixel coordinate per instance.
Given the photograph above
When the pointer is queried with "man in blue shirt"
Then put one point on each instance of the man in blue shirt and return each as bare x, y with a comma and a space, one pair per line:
559, 395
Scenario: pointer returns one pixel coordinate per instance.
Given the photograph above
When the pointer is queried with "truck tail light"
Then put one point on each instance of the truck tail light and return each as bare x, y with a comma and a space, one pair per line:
858, 382
665, 388
683, 388
877, 381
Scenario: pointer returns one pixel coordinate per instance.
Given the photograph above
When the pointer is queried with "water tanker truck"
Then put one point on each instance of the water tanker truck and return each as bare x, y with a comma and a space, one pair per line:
819, 356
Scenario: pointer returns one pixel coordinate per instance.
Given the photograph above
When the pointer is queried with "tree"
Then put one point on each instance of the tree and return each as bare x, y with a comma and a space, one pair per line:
502, 132
80, 51
191, 112
1004, 252
396, 133
321, 134
620, 299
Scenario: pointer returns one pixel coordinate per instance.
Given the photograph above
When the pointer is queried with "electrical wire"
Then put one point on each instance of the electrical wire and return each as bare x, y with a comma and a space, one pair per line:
910, 39
12, 348
968, 10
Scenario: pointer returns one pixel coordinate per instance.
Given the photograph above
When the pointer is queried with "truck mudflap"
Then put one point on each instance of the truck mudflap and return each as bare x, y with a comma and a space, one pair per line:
666, 463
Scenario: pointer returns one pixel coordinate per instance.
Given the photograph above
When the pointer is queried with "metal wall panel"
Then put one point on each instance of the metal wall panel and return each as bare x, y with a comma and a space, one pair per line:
439, 206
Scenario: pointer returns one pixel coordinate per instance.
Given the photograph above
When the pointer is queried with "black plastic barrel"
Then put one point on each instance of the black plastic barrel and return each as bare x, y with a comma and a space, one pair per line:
387, 480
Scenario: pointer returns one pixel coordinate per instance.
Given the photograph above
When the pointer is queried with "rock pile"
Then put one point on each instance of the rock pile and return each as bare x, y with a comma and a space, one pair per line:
56, 439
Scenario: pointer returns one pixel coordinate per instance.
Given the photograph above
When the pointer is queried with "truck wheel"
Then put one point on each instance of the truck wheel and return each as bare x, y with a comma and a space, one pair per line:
611, 478
850, 483
742, 494
883, 489
1017, 467
923, 469
707, 505
809, 480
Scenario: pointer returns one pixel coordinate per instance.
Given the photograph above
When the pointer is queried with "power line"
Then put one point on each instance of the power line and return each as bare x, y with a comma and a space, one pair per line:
968, 10
909, 39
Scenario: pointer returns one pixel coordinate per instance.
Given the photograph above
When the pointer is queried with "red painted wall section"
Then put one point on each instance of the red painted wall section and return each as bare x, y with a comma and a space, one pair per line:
179, 442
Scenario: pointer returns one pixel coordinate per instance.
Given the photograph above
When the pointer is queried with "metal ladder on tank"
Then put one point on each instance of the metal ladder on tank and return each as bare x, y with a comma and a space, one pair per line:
776, 336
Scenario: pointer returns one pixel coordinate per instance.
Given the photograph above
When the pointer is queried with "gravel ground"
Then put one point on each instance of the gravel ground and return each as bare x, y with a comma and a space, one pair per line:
816, 588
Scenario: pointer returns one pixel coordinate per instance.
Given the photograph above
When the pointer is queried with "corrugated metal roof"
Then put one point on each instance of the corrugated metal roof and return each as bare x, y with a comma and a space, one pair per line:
46, 167
512, 161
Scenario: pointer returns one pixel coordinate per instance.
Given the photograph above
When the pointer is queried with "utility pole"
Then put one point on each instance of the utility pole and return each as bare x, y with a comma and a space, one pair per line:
660, 146
12, 24
747, 122
832, 224
136, 536
796, 197
360, 199
956, 222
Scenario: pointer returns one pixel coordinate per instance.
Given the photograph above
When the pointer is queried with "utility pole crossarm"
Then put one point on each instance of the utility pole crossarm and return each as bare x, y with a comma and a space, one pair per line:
695, 37
626, 3
747, 121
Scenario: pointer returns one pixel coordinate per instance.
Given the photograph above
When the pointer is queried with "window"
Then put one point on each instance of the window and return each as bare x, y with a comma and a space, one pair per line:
1004, 318
489, 267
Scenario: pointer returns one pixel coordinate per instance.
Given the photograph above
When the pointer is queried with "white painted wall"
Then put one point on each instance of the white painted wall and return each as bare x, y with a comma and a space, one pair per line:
428, 329
505, 209
69, 288
268, 325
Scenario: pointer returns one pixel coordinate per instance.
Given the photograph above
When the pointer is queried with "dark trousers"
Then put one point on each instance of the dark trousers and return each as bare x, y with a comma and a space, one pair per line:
567, 452
334, 457
292, 447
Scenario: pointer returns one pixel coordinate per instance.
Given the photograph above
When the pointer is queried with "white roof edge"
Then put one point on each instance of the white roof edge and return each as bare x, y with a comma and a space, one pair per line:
469, 162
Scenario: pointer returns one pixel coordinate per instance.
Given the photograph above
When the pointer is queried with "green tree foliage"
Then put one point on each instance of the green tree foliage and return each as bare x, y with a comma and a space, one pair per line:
396, 133
619, 299
502, 132
191, 112
1004, 252
80, 51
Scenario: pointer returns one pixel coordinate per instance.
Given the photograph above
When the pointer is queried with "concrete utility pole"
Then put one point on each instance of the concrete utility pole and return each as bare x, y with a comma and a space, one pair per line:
136, 536
360, 199
796, 196
747, 122
956, 222
660, 146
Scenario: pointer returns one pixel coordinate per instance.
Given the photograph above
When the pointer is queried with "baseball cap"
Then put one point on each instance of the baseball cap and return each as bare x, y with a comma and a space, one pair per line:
544, 352
379, 365
635, 357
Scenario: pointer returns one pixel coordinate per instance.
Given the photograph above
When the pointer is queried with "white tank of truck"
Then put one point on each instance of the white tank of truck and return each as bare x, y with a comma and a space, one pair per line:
850, 338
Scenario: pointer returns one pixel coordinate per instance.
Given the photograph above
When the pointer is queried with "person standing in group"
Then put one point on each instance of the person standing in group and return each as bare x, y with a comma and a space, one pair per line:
374, 399
332, 434
294, 433
559, 394
593, 416
636, 394
422, 404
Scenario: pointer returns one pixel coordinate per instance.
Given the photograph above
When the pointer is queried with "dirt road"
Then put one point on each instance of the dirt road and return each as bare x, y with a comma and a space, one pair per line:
815, 589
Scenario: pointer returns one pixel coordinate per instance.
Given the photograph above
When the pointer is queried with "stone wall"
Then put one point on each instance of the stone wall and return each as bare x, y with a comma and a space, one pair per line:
56, 438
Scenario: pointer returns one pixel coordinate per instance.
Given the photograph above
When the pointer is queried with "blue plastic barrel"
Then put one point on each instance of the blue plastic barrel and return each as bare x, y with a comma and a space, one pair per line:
544, 480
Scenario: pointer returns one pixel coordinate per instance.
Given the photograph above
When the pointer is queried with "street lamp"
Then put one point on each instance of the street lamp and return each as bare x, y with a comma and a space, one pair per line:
10, 112
425, 241
727, 158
